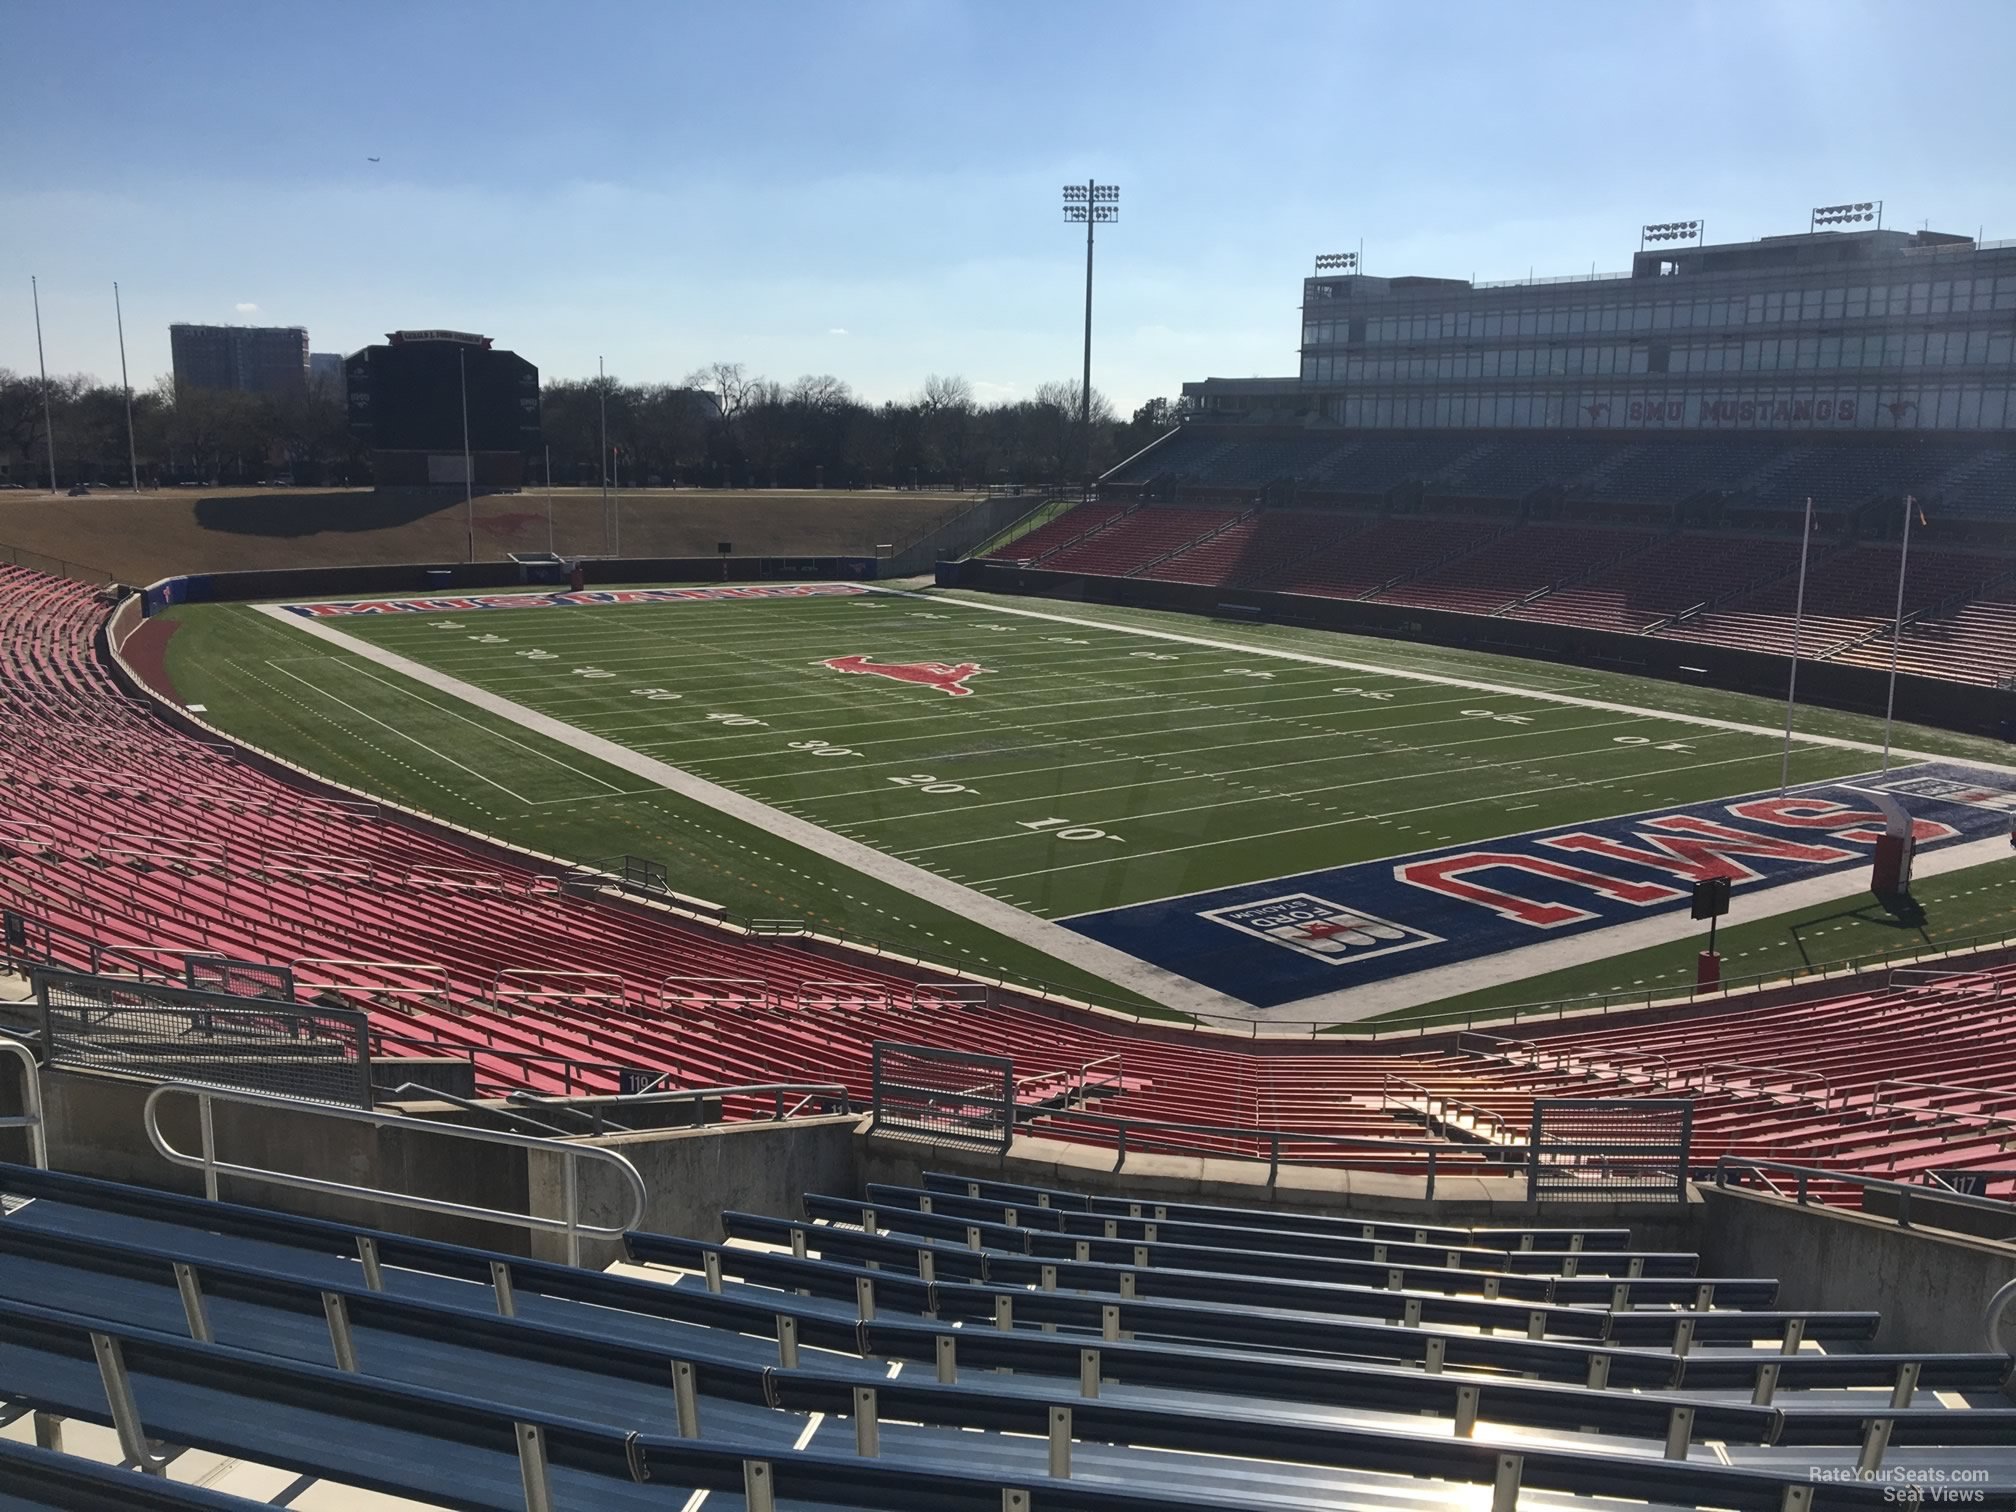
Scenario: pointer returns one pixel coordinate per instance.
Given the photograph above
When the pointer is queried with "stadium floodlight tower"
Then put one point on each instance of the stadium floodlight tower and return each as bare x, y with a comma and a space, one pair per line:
1665, 231
42, 366
1336, 262
1095, 204
1846, 215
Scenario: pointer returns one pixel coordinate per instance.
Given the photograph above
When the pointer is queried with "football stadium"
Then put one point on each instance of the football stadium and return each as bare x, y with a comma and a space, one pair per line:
1433, 932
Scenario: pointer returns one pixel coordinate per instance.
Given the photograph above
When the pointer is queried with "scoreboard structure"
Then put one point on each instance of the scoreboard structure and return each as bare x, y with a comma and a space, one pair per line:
406, 402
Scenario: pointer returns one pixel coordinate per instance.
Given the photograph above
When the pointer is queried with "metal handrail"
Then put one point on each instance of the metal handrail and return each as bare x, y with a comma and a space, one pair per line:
2004, 1301
776, 1091
1127, 1129
30, 1117
1878, 1100
571, 1156
1782, 1073
1808, 1174
1440, 1105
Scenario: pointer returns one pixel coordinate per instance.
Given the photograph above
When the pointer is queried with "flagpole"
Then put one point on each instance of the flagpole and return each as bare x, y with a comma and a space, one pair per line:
1897, 629
549, 500
132, 455
602, 461
468, 465
1798, 624
48, 425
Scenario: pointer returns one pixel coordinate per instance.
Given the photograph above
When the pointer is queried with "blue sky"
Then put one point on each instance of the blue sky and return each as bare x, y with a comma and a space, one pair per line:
871, 189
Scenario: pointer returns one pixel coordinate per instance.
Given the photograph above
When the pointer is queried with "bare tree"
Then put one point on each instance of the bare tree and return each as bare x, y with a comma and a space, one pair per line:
821, 391
1064, 394
730, 383
948, 393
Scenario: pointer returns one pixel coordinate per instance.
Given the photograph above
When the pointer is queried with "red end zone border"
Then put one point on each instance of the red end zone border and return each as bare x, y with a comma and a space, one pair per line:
463, 603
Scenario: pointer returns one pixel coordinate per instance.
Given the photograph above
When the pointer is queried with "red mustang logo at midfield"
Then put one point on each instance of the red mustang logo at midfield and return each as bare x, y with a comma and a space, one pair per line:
940, 675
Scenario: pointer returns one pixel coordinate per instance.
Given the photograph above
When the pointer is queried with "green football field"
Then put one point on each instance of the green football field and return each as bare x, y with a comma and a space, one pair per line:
1099, 759
1087, 768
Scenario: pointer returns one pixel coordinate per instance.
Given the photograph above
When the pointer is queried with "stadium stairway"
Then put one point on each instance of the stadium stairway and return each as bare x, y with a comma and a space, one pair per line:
904, 1352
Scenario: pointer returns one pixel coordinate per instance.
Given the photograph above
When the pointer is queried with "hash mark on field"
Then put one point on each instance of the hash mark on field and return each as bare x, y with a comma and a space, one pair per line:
1325, 824
486, 729
394, 729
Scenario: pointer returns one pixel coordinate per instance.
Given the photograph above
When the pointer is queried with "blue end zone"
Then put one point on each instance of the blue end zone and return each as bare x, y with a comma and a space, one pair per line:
1274, 942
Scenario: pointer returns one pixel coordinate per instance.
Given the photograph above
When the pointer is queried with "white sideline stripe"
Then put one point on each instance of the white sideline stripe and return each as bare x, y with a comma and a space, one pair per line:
1839, 742
1104, 961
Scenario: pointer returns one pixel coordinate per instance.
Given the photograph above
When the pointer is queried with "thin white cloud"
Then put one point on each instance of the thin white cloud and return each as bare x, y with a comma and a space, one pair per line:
246, 307
836, 330
985, 390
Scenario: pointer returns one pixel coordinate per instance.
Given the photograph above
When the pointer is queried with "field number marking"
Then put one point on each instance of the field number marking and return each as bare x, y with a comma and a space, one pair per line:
656, 694
821, 748
1380, 694
1644, 740
1064, 829
540, 655
1155, 655
738, 720
1501, 718
592, 672
925, 783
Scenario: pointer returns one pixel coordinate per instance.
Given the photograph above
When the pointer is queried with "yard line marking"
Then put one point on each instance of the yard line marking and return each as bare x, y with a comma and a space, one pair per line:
1115, 966
1309, 732
442, 755
1301, 829
1223, 803
487, 730
1271, 766
1251, 711
1704, 721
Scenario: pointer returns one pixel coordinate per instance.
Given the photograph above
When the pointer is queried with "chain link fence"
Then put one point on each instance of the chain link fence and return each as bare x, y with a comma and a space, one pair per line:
945, 1096
244, 979
1583, 1148
152, 1030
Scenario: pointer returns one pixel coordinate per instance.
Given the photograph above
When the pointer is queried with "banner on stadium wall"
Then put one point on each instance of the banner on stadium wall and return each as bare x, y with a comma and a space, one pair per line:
465, 603
176, 590
1274, 942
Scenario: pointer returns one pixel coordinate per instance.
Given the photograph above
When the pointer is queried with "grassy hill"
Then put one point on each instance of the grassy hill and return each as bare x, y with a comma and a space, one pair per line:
140, 537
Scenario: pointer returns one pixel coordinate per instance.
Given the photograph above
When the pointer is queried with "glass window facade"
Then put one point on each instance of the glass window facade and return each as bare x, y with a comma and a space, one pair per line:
1912, 336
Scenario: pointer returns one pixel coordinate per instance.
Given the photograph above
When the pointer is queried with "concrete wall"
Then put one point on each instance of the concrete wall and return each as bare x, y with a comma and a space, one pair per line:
1862, 690
96, 1128
693, 1175
1930, 1287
